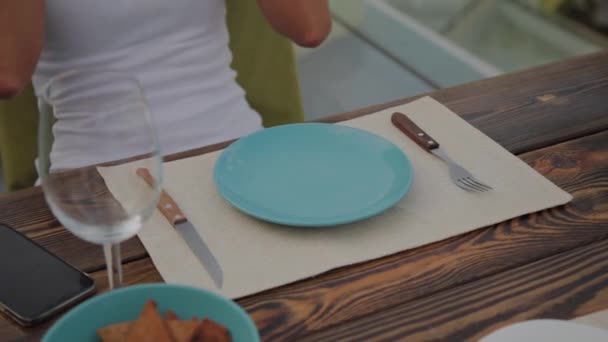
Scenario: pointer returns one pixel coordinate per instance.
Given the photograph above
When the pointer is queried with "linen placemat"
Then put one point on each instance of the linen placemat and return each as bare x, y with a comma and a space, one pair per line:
256, 256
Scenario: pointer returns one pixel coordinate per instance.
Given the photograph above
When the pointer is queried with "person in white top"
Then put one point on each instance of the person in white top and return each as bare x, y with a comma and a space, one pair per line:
177, 49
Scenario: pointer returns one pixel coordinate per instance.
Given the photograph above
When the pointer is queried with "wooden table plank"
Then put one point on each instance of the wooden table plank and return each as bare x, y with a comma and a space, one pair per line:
533, 108
514, 110
579, 166
10, 331
522, 111
567, 285
289, 312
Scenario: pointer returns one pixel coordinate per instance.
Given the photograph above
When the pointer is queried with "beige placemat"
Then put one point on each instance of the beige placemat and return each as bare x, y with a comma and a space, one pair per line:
597, 319
256, 256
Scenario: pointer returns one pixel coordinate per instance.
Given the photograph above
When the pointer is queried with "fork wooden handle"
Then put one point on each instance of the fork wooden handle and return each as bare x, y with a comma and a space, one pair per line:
415, 133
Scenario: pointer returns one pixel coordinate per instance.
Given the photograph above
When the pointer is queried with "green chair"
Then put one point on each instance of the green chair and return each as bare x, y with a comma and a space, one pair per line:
265, 66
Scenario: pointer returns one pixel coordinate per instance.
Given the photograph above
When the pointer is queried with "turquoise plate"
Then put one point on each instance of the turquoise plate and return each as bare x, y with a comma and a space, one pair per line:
312, 174
82, 322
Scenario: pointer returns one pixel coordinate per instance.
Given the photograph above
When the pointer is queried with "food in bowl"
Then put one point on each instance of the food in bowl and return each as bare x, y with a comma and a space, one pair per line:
151, 326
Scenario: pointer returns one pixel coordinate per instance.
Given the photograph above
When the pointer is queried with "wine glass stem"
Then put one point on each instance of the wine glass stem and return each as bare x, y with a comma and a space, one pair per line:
114, 264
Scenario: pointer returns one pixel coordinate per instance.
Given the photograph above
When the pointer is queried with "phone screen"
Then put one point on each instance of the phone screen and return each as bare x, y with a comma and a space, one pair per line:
33, 282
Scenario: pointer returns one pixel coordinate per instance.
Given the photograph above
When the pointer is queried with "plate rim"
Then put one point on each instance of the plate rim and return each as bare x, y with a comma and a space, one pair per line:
516, 327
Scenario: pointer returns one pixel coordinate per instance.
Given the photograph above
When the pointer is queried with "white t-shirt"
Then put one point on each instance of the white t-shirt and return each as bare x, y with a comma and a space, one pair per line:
177, 49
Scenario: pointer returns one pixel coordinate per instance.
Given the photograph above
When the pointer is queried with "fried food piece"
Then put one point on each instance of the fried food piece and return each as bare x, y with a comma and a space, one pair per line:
114, 333
170, 315
183, 331
209, 331
149, 326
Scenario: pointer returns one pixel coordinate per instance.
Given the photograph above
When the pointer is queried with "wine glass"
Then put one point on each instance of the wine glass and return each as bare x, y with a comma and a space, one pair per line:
91, 119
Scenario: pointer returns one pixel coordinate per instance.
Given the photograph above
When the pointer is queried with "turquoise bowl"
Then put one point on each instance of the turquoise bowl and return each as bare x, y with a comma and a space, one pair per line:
82, 322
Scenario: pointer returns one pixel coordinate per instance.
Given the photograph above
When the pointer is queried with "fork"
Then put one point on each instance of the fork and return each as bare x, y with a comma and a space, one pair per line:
461, 177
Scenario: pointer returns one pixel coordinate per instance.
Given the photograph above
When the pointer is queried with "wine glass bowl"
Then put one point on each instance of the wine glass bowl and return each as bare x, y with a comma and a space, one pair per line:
91, 119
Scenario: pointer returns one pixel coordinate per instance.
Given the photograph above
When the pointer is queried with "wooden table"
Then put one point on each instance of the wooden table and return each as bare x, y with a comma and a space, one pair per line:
552, 264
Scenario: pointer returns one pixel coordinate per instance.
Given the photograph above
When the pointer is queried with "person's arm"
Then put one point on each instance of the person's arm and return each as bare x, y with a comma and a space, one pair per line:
306, 22
21, 40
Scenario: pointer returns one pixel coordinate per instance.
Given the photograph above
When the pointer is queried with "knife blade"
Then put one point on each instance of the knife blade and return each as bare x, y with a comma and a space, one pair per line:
186, 230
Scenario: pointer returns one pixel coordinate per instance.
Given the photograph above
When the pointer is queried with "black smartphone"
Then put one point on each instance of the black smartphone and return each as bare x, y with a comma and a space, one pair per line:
34, 283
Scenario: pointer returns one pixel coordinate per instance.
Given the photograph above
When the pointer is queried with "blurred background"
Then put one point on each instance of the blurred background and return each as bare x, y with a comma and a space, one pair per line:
382, 50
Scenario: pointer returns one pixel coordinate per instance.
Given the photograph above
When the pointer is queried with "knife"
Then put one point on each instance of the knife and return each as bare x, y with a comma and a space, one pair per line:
178, 220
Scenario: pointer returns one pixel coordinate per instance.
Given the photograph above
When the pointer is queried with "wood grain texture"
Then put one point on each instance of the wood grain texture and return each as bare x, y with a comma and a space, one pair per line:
531, 109
564, 286
542, 100
521, 111
355, 292
166, 205
409, 128
580, 166
10, 331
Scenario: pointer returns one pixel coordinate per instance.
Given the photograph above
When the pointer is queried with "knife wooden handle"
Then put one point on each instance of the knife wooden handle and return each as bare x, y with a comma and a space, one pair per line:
415, 133
166, 204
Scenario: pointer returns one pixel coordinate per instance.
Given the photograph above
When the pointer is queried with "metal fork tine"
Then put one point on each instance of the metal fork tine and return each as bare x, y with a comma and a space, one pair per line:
483, 188
473, 185
483, 185
463, 185
459, 175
